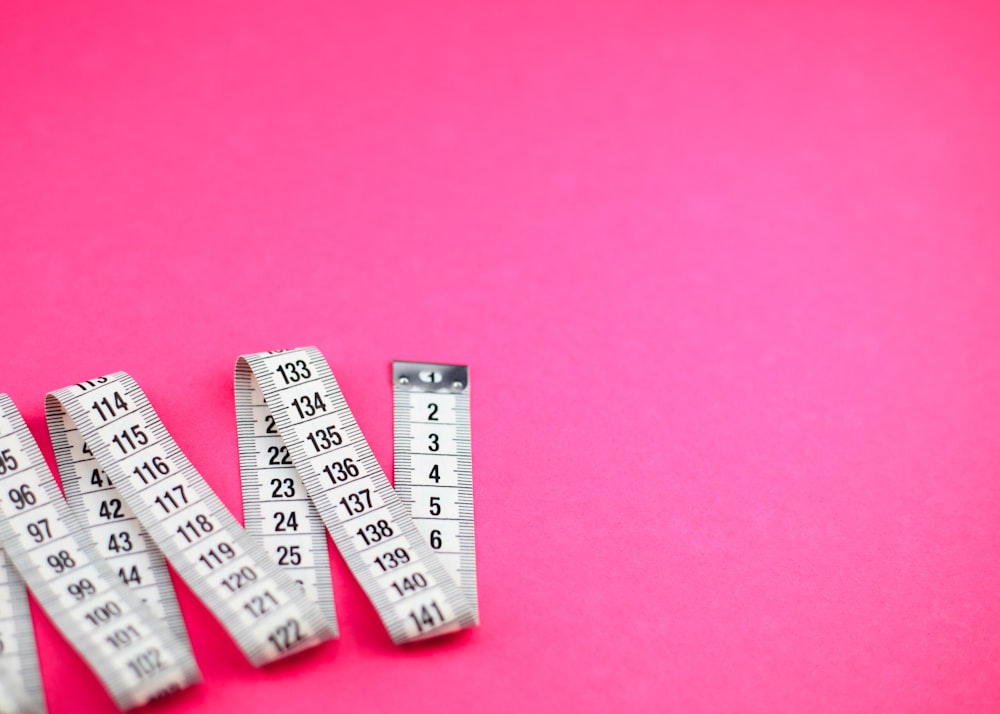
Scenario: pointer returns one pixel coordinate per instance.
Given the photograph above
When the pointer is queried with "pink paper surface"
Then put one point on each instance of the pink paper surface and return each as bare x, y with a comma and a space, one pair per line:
726, 278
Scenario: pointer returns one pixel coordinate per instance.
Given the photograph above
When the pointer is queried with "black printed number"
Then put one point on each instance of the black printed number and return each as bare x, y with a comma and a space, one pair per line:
286, 521
293, 372
392, 559
217, 556
374, 532
358, 502
282, 488
239, 579
289, 555
60, 561
260, 604
309, 406
120, 542
130, 575
82, 589
22, 497
286, 636
103, 613
410, 584
7, 462
110, 408
151, 470
323, 439
130, 439
427, 616
195, 529
171, 499
279, 456
340, 471
111, 509
39, 530
147, 664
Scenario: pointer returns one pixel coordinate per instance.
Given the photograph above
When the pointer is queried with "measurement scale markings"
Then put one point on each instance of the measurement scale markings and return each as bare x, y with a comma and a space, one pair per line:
208, 532
432, 439
124, 668
272, 497
388, 520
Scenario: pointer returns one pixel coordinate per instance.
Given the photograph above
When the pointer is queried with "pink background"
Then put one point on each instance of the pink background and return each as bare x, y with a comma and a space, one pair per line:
726, 277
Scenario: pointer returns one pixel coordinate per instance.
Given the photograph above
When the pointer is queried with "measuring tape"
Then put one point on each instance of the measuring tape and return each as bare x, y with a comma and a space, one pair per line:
20, 679
258, 604
14, 699
432, 446
134, 655
95, 560
414, 595
277, 510
110, 526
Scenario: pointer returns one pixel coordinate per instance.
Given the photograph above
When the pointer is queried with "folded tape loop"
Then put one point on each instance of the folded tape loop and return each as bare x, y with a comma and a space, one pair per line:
134, 655
410, 588
261, 608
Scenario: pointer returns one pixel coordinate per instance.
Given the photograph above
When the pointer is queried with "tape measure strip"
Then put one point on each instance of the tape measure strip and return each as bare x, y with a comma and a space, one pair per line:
14, 699
433, 462
277, 510
20, 678
257, 603
133, 655
412, 592
110, 526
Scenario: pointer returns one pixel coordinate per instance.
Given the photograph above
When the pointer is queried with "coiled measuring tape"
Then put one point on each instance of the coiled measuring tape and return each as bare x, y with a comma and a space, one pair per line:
409, 587
432, 448
258, 604
135, 656
20, 679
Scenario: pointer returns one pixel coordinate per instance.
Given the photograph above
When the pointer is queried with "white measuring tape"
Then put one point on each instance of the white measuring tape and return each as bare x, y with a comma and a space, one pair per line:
134, 655
110, 526
373, 530
433, 462
277, 509
20, 679
258, 604
95, 560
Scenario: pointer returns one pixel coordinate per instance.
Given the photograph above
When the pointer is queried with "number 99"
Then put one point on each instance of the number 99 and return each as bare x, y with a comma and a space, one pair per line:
81, 589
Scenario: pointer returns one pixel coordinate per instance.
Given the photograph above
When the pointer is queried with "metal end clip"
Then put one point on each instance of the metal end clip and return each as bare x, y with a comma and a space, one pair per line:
430, 377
